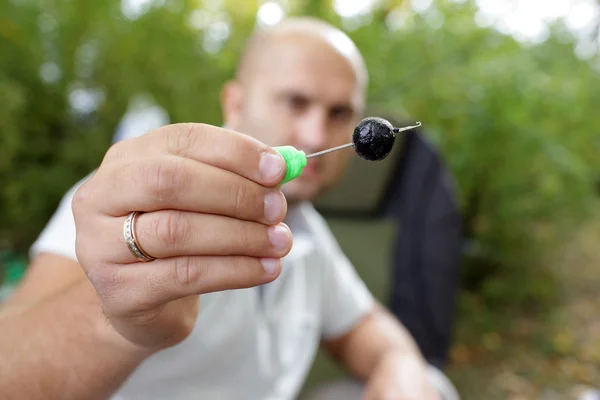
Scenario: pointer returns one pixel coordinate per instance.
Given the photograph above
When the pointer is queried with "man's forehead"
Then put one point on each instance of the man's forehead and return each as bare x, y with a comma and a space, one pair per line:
298, 35
327, 45
333, 83
335, 39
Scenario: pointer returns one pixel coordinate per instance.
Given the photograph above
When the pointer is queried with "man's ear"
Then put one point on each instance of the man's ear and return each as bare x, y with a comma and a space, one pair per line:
232, 95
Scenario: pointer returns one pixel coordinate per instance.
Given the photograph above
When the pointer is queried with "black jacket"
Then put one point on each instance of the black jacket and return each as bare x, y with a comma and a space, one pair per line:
426, 257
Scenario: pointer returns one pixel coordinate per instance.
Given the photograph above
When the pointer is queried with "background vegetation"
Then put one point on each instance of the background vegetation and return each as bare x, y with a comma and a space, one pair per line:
516, 121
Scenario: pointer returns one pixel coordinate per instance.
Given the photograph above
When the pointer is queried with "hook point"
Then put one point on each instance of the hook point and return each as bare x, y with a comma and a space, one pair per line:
406, 128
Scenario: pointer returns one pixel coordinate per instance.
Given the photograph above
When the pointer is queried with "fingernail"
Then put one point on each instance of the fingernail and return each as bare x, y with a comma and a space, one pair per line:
279, 237
269, 265
270, 166
273, 206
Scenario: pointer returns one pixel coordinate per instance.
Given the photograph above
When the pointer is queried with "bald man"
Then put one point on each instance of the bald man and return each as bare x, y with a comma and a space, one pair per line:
170, 273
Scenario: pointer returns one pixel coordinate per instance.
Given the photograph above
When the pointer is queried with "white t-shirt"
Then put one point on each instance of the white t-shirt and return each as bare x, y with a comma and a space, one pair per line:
256, 343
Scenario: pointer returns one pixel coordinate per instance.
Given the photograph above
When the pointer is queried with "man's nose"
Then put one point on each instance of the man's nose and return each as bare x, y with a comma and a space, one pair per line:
313, 131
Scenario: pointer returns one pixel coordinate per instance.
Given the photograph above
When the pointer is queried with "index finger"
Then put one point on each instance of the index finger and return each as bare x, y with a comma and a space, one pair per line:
224, 149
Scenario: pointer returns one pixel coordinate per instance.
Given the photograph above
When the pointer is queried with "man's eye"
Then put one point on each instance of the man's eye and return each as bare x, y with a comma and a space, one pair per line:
297, 103
340, 114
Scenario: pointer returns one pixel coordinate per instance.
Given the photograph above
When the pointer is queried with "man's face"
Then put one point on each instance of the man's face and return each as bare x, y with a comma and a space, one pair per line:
306, 95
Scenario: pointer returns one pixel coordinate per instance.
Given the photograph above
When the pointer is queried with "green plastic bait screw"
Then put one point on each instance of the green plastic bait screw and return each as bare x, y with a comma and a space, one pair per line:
372, 140
294, 159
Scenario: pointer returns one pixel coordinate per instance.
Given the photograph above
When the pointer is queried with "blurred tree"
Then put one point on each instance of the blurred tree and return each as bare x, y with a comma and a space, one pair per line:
516, 121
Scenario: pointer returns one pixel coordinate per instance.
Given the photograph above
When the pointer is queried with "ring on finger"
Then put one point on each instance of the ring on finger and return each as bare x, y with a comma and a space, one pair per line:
131, 238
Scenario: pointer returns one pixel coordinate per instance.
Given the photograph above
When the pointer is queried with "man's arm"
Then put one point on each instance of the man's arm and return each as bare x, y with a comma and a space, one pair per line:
69, 335
378, 334
55, 342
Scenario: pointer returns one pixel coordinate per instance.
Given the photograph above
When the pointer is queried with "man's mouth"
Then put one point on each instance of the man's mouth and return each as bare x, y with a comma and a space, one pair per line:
312, 169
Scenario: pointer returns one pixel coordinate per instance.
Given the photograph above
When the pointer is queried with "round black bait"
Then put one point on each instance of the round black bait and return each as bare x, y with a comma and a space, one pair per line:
373, 138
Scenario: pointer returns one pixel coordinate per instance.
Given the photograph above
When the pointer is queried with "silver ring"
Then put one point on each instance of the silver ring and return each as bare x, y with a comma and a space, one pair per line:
131, 239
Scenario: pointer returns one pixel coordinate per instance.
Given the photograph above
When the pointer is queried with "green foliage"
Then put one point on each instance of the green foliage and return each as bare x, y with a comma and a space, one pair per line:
515, 121
516, 124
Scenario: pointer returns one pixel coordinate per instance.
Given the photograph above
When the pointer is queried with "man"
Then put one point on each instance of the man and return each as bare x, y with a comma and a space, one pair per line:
201, 294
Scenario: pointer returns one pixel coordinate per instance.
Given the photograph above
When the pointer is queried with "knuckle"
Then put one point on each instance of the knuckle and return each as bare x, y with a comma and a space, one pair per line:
242, 198
85, 197
243, 236
114, 152
81, 199
186, 272
164, 178
183, 137
172, 229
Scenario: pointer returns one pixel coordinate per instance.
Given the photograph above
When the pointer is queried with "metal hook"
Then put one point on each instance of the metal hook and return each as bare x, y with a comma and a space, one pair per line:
398, 130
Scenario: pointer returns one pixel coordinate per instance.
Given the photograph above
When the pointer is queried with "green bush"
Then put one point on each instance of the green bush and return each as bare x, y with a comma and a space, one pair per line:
516, 124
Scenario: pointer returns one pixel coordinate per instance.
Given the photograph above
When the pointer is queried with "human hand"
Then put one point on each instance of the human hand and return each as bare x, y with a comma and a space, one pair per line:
211, 216
400, 377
